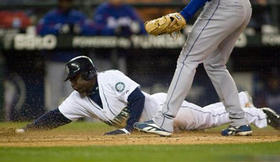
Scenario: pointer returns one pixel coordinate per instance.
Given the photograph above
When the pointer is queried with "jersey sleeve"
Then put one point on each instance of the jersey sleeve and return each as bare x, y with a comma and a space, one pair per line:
123, 85
71, 108
194, 5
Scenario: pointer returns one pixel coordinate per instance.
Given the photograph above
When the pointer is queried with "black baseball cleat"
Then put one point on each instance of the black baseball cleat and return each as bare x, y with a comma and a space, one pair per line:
273, 119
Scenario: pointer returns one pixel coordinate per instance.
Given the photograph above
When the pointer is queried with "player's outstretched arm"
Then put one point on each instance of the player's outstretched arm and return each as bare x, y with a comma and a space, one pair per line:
49, 120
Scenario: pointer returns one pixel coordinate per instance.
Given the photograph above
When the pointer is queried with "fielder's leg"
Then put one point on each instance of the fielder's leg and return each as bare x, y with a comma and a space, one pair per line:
215, 66
211, 28
216, 22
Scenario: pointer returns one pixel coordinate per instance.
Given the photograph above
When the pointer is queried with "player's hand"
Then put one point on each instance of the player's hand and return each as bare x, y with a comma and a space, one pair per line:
122, 131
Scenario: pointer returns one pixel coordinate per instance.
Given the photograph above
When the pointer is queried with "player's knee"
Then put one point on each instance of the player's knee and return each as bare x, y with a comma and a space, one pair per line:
214, 67
187, 64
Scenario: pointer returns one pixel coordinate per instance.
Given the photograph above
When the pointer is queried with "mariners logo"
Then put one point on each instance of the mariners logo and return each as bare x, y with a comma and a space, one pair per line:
75, 67
120, 86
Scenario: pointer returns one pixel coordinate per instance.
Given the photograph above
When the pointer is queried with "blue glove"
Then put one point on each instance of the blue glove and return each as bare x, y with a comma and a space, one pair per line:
122, 131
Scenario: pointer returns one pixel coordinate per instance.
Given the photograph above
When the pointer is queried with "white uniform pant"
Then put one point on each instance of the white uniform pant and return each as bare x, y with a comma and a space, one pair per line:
193, 117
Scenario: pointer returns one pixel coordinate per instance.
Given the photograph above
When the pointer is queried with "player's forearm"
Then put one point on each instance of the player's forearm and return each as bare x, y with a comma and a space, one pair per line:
49, 120
136, 105
194, 5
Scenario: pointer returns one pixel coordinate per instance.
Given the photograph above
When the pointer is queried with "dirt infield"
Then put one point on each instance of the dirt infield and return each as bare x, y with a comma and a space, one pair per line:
68, 138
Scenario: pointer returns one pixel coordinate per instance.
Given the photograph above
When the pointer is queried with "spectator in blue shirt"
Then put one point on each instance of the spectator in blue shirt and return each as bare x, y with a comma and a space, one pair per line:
65, 20
116, 18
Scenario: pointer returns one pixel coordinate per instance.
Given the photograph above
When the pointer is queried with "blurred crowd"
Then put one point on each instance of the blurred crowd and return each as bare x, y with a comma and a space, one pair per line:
110, 18
113, 14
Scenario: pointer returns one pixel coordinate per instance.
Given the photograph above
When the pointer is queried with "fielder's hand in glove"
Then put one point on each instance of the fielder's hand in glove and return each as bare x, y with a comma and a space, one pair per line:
122, 131
167, 24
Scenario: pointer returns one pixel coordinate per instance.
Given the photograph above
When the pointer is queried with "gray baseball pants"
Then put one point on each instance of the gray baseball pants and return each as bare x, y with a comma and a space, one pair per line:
210, 42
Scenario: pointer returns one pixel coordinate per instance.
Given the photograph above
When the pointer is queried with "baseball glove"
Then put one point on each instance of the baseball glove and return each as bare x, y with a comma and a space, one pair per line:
167, 24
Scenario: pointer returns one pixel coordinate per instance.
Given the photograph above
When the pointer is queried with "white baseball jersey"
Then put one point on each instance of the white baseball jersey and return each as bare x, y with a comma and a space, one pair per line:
114, 89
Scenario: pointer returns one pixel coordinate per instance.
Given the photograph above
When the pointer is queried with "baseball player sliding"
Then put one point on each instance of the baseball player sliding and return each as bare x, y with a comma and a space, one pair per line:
210, 42
117, 100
